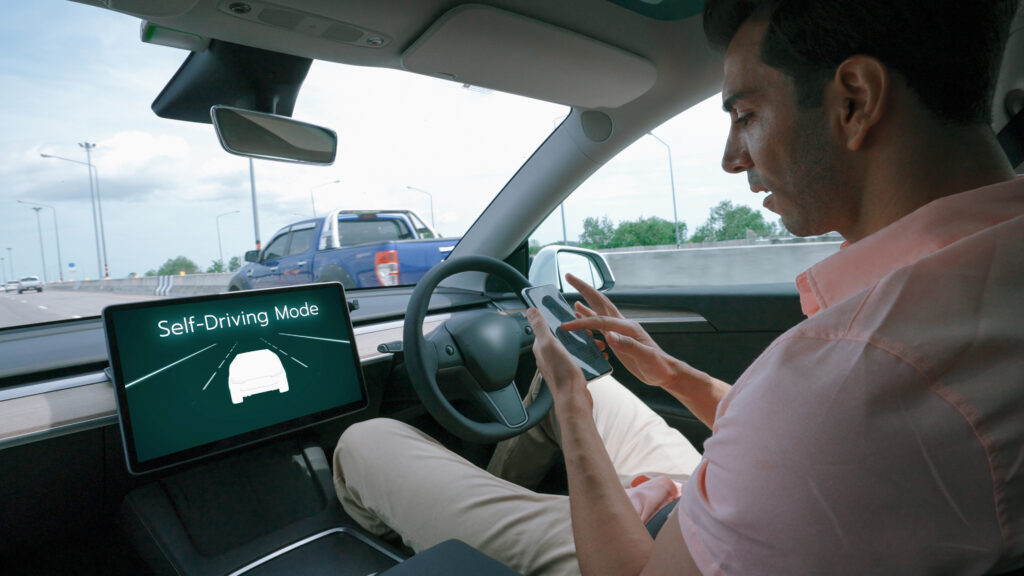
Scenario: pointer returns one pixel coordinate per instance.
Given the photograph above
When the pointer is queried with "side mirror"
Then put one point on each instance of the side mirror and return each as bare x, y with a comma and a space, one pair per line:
252, 256
552, 263
273, 137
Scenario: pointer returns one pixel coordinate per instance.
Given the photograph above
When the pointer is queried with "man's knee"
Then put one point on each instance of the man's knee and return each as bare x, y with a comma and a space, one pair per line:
363, 442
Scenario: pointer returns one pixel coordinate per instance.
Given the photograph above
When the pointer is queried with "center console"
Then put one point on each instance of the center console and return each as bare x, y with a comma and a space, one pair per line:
270, 510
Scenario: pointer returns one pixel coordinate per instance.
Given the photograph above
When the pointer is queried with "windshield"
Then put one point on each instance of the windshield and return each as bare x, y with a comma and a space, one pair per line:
106, 202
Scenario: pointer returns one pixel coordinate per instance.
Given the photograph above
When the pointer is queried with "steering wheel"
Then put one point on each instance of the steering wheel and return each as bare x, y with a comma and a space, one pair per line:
484, 345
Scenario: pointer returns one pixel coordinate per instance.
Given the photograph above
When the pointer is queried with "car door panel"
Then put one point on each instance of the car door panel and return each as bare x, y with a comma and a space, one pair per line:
297, 266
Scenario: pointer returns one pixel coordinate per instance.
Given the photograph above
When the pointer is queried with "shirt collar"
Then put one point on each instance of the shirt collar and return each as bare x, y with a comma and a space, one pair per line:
928, 229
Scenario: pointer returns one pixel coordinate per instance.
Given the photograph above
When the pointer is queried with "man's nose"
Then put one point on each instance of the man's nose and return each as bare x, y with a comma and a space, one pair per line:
735, 159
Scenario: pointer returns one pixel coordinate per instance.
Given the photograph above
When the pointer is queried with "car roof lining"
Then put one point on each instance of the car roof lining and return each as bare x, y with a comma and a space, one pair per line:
426, 36
470, 44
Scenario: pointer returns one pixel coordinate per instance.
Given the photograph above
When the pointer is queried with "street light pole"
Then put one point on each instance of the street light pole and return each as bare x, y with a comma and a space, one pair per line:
255, 212
429, 195
56, 233
220, 249
311, 200
97, 216
3, 267
99, 204
672, 178
42, 251
10, 260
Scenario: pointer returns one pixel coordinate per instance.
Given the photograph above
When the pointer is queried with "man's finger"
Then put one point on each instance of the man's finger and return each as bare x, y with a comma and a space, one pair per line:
599, 302
583, 310
602, 324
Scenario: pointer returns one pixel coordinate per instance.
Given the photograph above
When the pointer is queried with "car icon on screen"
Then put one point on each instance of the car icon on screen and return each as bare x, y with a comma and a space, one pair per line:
255, 372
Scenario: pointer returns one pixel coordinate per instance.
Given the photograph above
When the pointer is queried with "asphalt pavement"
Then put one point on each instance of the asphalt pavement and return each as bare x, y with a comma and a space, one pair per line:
50, 305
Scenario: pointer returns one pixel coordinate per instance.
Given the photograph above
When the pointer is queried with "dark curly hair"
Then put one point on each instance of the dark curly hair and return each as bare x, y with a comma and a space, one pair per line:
947, 51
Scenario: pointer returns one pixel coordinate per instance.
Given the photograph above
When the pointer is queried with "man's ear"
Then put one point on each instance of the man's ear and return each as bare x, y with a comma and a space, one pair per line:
860, 96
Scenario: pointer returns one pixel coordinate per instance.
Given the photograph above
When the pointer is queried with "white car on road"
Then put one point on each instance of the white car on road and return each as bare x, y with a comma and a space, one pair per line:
30, 283
255, 372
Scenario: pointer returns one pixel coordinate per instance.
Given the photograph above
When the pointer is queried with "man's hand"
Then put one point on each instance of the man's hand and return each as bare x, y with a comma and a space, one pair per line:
610, 538
633, 346
562, 375
638, 352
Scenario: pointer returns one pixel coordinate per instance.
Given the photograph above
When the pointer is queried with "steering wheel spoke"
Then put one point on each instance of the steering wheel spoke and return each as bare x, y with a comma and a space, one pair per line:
504, 405
446, 353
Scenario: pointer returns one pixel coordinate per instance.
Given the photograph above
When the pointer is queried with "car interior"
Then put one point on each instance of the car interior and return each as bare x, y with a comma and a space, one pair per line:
266, 505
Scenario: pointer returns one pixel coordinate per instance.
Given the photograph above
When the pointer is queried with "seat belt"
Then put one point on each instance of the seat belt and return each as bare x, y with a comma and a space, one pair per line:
654, 523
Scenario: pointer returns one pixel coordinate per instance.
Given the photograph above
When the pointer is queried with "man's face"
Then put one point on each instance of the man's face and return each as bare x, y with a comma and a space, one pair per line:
786, 150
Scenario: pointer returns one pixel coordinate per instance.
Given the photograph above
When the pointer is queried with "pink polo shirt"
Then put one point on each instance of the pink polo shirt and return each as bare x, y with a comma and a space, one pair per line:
885, 433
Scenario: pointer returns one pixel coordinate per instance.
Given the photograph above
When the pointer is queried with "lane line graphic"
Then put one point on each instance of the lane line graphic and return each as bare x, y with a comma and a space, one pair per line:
226, 356
287, 355
269, 344
134, 382
313, 338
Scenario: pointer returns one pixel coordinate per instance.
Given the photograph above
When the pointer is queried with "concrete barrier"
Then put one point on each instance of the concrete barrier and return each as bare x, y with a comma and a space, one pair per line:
716, 266
187, 285
643, 268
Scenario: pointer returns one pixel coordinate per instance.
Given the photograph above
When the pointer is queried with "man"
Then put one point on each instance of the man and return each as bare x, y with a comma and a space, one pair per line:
883, 435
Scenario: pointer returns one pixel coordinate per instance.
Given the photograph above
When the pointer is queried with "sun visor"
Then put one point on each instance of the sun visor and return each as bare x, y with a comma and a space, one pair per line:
232, 75
491, 48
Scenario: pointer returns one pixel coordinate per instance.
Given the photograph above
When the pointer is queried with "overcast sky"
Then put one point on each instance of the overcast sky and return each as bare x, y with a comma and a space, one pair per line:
75, 74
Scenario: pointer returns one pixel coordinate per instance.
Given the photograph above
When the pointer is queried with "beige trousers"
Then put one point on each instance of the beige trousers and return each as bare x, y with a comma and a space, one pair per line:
392, 478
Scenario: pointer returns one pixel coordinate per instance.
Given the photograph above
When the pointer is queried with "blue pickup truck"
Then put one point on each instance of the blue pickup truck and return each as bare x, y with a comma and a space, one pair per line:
359, 248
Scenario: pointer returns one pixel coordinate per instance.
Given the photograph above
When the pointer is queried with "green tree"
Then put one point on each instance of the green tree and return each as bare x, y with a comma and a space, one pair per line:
234, 264
653, 231
215, 267
728, 222
781, 230
597, 234
175, 266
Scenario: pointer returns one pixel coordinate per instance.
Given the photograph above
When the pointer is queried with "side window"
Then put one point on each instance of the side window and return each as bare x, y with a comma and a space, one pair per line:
277, 248
302, 240
366, 230
664, 214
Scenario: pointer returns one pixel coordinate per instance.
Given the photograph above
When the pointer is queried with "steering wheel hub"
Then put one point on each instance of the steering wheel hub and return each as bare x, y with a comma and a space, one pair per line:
490, 345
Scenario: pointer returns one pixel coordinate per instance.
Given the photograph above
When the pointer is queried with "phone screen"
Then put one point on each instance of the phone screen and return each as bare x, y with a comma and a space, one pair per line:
548, 300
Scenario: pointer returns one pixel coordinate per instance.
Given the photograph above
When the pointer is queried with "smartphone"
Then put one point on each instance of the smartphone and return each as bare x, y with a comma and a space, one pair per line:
548, 300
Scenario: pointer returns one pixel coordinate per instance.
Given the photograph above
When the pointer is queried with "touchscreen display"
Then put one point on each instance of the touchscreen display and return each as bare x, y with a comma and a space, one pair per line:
550, 303
204, 374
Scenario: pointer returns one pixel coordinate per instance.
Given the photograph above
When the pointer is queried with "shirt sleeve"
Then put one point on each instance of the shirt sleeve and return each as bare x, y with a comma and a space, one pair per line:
835, 457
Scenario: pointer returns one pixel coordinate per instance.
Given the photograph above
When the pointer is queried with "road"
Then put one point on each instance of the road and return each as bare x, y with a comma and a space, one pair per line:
36, 307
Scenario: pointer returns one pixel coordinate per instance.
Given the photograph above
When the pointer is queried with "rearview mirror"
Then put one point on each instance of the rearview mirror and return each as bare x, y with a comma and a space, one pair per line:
273, 137
252, 256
